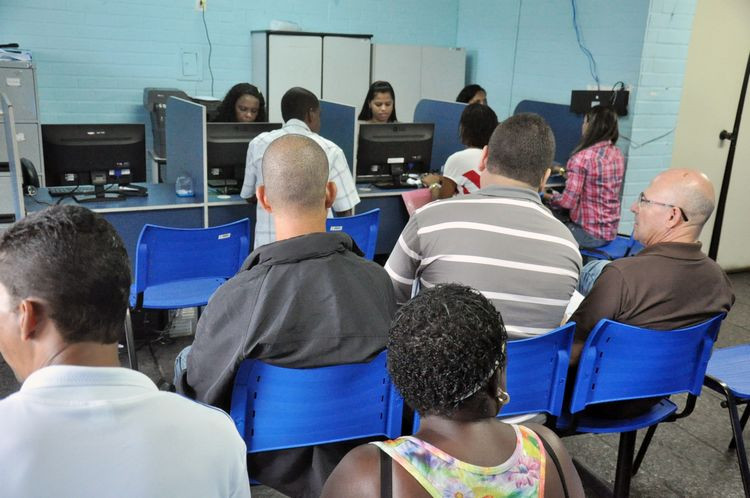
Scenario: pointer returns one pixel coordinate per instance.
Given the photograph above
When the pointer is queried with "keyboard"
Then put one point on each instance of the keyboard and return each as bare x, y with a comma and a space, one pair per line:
70, 189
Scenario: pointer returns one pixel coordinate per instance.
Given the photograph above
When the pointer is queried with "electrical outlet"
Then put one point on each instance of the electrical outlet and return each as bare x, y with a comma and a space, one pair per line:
200, 5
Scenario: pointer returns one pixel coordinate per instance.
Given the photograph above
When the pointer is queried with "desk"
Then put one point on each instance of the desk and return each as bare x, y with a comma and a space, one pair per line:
222, 211
128, 216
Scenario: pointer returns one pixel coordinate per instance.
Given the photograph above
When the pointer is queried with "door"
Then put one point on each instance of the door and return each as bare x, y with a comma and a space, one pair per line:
717, 56
293, 60
346, 70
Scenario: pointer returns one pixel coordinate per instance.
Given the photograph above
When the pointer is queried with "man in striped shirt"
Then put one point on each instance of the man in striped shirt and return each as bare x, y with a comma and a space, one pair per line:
500, 240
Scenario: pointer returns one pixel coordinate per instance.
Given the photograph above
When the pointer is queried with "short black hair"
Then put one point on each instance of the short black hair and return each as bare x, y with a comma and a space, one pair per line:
377, 87
226, 113
468, 93
602, 125
73, 259
297, 102
444, 345
522, 148
476, 125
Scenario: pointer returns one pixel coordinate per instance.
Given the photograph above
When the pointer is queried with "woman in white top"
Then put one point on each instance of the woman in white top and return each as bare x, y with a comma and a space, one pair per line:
461, 172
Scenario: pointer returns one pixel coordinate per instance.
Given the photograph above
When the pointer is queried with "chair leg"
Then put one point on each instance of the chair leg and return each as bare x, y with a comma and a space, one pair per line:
130, 341
739, 442
644, 447
624, 464
743, 423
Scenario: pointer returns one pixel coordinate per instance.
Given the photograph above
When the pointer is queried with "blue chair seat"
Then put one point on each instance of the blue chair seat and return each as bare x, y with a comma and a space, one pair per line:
185, 293
732, 366
658, 413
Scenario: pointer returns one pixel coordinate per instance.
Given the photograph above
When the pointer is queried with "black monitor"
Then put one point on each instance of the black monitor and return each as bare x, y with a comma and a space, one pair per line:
75, 152
226, 150
386, 152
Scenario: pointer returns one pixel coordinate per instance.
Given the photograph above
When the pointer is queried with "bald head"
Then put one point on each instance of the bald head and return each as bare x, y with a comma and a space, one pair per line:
689, 189
295, 174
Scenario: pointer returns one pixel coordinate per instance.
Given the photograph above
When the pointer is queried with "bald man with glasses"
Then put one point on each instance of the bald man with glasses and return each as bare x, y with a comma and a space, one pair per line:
671, 283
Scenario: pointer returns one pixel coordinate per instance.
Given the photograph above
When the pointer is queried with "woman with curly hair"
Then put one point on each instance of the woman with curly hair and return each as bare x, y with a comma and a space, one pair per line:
446, 355
243, 104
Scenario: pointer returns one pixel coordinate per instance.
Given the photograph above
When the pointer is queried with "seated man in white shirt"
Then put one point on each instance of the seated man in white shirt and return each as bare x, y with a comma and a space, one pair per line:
81, 425
300, 110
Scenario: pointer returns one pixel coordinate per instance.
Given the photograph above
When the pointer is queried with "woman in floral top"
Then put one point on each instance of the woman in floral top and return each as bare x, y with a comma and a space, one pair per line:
446, 355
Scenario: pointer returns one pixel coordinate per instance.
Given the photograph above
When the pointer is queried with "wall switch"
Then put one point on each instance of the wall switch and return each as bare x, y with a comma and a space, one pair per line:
191, 66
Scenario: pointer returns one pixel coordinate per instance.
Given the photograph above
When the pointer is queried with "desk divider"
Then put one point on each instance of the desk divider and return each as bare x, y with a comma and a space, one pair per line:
337, 125
446, 116
186, 147
14, 161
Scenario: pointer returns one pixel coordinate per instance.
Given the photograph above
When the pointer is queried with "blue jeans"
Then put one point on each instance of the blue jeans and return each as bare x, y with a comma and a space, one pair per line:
180, 365
589, 273
585, 240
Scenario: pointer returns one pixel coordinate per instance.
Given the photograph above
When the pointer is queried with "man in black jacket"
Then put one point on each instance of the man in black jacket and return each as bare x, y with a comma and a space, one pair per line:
307, 300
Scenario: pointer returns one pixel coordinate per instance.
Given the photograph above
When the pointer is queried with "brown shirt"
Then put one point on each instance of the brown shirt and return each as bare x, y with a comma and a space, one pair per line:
666, 286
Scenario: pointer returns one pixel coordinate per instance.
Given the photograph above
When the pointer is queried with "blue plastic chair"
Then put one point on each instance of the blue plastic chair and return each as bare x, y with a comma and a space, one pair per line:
621, 247
362, 228
277, 408
728, 373
623, 362
182, 267
536, 373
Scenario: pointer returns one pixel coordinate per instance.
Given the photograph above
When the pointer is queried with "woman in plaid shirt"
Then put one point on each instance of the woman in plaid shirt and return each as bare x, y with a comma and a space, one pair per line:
595, 172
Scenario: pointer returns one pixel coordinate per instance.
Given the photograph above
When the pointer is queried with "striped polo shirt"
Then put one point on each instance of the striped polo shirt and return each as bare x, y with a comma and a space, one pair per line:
501, 241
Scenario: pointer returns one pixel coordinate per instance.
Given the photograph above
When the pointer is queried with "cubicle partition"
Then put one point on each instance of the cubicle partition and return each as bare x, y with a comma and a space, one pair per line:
566, 125
186, 143
446, 116
337, 125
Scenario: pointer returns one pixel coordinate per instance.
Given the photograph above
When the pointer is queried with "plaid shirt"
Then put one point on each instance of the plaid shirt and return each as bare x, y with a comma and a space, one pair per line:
340, 174
592, 189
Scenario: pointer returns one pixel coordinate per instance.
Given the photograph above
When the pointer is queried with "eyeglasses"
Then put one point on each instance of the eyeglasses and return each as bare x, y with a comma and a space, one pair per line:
642, 200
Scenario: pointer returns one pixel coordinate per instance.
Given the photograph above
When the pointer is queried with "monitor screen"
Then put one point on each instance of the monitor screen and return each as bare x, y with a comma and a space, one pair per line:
226, 148
386, 150
73, 151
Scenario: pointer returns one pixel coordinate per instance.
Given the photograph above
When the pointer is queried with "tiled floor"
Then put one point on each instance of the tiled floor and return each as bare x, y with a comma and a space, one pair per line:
686, 458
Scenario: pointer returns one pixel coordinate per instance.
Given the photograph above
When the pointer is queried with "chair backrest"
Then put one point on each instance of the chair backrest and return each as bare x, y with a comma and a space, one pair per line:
362, 228
621, 362
621, 247
537, 370
276, 408
536, 373
165, 254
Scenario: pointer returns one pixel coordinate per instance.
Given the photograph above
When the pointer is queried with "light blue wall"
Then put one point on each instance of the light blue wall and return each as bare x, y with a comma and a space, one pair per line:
95, 57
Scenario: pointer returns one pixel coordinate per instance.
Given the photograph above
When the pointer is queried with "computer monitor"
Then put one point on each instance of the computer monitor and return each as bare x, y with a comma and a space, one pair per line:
226, 150
75, 152
387, 151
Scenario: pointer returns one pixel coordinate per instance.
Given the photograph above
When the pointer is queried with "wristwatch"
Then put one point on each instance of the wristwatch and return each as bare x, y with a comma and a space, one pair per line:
434, 186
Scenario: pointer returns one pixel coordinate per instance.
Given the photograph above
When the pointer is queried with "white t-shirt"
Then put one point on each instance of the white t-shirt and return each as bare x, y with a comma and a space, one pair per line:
463, 168
96, 431
339, 173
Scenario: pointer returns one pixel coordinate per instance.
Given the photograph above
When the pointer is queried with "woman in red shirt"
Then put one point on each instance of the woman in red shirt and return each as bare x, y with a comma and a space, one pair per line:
595, 172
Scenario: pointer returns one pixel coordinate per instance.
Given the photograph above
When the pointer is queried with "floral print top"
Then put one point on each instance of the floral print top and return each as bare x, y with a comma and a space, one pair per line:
443, 476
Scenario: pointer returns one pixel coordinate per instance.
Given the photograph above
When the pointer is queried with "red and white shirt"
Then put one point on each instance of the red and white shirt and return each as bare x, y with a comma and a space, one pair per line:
592, 189
463, 168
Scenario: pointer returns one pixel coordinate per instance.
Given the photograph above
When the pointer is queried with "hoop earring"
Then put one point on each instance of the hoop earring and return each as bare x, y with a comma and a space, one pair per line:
503, 398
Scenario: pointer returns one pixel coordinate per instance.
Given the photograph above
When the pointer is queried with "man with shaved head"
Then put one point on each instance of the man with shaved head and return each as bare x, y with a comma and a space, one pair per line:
670, 284
307, 300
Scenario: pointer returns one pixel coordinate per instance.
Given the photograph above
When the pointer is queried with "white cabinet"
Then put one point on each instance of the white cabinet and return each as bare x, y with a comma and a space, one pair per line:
419, 72
334, 67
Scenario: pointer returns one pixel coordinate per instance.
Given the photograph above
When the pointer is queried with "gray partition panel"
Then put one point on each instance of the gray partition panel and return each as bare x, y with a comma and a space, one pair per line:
13, 159
337, 125
186, 143
446, 116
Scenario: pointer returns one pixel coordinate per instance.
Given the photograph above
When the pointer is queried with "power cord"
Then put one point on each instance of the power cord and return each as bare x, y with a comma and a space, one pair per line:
636, 145
210, 51
592, 63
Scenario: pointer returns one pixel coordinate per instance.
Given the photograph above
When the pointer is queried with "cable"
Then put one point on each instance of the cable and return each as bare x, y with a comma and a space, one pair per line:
592, 63
210, 51
615, 92
638, 146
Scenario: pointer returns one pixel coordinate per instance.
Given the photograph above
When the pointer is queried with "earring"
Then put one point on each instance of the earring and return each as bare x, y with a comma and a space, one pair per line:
503, 398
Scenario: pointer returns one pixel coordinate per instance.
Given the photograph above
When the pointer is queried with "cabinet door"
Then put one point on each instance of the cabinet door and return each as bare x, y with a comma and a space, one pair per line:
18, 85
401, 66
346, 70
443, 72
292, 61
